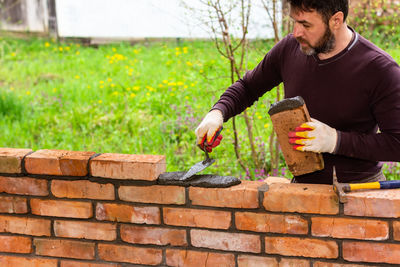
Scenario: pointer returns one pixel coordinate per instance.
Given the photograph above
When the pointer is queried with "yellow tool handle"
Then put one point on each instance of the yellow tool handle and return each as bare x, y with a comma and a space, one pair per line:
373, 185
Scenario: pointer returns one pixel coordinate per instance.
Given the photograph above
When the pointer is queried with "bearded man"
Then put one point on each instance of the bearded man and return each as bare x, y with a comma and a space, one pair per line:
350, 86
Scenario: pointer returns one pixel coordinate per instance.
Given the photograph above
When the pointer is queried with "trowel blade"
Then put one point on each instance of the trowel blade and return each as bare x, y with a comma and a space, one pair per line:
196, 168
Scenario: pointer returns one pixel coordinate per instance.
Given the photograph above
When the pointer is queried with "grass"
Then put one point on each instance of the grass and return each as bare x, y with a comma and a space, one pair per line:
140, 99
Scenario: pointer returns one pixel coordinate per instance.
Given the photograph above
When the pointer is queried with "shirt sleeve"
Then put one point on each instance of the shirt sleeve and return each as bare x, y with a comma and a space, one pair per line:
382, 145
244, 92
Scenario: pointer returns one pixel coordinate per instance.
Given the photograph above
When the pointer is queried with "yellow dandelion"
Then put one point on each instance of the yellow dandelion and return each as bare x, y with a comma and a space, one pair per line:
136, 88
13, 54
172, 94
100, 101
89, 87
111, 62
114, 50
78, 53
128, 89
186, 97
266, 125
192, 84
77, 76
185, 50
54, 90
115, 93
160, 85
109, 80
201, 71
172, 84
185, 86
189, 63
135, 51
179, 83
259, 117
165, 81
12, 88
61, 49
67, 48
28, 92
46, 44
132, 95
177, 53
101, 82
101, 86
148, 94
112, 85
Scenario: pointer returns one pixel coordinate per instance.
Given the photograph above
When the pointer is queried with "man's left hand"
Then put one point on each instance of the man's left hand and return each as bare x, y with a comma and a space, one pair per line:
314, 136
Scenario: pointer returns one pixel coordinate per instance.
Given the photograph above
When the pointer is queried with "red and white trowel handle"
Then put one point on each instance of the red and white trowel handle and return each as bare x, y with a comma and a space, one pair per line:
215, 141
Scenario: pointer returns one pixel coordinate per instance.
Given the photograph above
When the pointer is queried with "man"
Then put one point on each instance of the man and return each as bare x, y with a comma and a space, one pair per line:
350, 86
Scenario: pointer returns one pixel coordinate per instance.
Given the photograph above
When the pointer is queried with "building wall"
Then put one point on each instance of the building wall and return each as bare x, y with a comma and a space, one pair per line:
68, 208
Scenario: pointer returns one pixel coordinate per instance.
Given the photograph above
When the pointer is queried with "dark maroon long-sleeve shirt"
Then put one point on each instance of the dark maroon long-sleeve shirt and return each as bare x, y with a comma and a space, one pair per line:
356, 92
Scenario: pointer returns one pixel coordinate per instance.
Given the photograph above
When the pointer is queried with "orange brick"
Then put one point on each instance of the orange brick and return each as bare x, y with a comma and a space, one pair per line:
11, 261
86, 230
129, 254
82, 189
256, 261
11, 158
350, 228
86, 264
396, 230
295, 263
374, 203
244, 195
13, 205
330, 264
25, 226
127, 213
371, 252
153, 235
273, 223
197, 218
189, 258
61, 208
15, 244
304, 247
23, 186
64, 248
226, 241
153, 194
128, 167
58, 162
303, 198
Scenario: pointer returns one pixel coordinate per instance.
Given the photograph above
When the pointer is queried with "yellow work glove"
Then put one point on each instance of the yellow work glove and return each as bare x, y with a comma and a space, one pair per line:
314, 136
208, 129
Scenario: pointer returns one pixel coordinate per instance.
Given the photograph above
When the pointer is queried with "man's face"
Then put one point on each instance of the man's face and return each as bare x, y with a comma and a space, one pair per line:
312, 33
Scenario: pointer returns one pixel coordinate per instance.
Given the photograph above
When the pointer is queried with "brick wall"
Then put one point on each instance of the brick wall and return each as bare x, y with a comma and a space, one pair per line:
65, 208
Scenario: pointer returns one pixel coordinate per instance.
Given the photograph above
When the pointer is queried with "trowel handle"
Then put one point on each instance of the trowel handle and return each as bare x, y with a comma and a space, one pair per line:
214, 142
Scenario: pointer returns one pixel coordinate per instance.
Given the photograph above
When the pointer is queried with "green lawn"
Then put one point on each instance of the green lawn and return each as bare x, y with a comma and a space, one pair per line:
121, 98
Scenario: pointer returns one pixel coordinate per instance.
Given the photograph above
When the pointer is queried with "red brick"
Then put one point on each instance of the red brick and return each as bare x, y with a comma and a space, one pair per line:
129, 254
127, 213
15, 244
86, 264
82, 189
273, 223
374, 203
128, 167
64, 248
294, 263
11, 158
13, 205
197, 218
256, 261
11, 261
153, 235
371, 252
350, 228
304, 247
25, 226
153, 194
302, 198
226, 241
189, 258
61, 208
85, 230
244, 195
330, 264
23, 186
58, 162
396, 230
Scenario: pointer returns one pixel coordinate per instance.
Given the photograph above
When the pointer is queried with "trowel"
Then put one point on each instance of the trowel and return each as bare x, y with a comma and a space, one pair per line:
199, 166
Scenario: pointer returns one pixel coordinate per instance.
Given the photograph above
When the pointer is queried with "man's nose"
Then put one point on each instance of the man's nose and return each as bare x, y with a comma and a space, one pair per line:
297, 31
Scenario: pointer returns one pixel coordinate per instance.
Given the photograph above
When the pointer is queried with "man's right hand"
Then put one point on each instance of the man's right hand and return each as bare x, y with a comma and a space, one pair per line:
208, 128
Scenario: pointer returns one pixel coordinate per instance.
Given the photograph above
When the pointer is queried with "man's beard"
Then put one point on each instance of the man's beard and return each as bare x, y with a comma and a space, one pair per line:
324, 45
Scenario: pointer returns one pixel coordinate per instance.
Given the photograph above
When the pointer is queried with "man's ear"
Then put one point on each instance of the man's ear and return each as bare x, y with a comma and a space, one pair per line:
336, 20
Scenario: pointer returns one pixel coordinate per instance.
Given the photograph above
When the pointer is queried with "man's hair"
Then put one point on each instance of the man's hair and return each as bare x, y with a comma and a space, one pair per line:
327, 8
